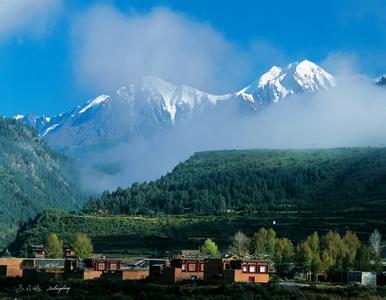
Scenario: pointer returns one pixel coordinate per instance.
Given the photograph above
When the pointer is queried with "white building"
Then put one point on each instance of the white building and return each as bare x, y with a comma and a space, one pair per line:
363, 278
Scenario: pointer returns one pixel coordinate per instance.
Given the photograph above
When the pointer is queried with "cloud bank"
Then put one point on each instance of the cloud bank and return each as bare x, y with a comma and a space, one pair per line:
18, 17
112, 49
351, 115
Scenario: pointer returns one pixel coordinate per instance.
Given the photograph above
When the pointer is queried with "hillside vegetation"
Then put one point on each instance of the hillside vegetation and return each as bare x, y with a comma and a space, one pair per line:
215, 194
139, 235
32, 178
259, 180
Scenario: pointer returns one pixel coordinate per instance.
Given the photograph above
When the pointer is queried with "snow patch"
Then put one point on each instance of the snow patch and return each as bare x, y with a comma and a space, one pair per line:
98, 100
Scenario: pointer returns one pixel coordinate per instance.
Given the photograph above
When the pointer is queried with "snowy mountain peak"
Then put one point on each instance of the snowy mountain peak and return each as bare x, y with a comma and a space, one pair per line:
271, 74
279, 83
151, 103
98, 100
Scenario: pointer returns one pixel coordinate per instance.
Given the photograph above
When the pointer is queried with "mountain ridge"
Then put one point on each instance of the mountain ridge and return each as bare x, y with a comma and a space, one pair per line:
143, 107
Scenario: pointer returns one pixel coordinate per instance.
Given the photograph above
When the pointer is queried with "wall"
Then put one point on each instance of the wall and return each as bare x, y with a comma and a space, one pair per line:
11, 267
91, 274
239, 276
135, 274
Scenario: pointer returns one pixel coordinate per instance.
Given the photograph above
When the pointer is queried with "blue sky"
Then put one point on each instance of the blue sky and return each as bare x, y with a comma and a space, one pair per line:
48, 60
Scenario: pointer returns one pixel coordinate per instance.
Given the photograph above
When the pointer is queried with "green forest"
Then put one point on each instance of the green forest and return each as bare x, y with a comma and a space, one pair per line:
249, 181
32, 178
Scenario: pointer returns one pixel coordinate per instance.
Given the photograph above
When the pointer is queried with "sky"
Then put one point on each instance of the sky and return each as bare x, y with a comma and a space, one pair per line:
55, 54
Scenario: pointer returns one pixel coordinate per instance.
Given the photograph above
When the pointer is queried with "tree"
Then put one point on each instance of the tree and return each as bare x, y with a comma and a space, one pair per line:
284, 254
304, 256
258, 241
375, 242
316, 265
270, 242
352, 243
313, 242
263, 242
54, 247
210, 248
82, 245
240, 244
326, 260
362, 259
6, 253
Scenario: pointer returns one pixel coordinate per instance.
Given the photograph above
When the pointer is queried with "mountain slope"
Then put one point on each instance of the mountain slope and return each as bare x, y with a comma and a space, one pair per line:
260, 180
302, 190
32, 177
140, 108
151, 104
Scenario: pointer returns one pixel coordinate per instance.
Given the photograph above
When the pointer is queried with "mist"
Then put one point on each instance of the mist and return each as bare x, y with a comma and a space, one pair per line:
353, 114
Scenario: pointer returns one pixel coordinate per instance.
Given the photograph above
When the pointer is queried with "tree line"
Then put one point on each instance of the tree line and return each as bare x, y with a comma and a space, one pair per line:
82, 246
330, 254
213, 183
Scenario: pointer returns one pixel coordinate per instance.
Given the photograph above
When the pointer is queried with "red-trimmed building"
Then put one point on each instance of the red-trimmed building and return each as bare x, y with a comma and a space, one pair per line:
103, 264
236, 270
178, 269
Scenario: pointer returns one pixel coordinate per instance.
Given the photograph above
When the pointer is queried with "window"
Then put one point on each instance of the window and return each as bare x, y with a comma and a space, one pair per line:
249, 268
201, 267
251, 279
262, 269
113, 266
192, 267
183, 267
101, 266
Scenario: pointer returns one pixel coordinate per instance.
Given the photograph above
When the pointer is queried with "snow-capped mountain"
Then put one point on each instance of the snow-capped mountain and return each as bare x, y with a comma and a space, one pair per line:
139, 108
150, 104
279, 83
34, 121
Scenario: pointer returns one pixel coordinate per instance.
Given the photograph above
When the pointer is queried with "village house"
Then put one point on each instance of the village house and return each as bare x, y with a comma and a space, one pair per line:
43, 269
102, 264
363, 278
177, 269
127, 274
36, 251
68, 251
236, 270
11, 267
136, 269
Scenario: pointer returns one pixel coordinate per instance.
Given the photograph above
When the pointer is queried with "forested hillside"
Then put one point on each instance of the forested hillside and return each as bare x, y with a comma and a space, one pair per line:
259, 180
32, 178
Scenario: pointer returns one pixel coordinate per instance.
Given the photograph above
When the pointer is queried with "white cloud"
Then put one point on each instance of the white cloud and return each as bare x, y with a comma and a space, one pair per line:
342, 64
26, 16
352, 114
113, 49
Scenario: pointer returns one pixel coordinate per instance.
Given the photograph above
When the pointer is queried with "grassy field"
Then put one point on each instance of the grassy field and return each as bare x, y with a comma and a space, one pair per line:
134, 235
